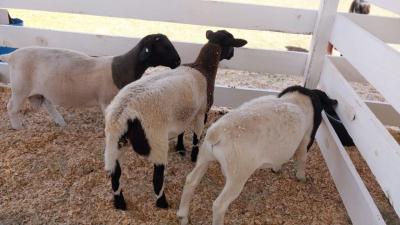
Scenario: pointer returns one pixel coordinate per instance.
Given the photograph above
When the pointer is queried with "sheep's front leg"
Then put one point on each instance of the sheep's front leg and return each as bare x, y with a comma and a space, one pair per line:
158, 185
13, 107
180, 147
300, 160
119, 201
51, 109
198, 129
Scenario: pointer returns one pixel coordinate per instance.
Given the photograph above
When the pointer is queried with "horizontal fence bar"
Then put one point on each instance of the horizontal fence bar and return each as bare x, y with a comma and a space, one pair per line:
373, 58
384, 28
358, 202
270, 61
257, 60
209, 13
374, 142
391, 5
234, 97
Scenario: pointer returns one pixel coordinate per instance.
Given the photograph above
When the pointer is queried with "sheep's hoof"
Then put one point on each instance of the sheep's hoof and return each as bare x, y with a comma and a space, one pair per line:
181, 152
301, 177
17, 125
162, 202
183, 220
195, 152
119, 202
61, 123
276, 169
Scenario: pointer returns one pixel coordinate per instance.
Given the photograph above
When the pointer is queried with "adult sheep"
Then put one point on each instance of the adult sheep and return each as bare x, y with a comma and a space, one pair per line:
161, 106
50, 76
360, 7
264, 132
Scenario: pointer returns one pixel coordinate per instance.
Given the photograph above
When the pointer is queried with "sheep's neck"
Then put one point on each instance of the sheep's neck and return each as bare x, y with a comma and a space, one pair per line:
126, 68
207, 63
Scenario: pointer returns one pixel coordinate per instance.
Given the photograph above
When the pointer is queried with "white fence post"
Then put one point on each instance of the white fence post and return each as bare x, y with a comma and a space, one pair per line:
319, 42
3, 16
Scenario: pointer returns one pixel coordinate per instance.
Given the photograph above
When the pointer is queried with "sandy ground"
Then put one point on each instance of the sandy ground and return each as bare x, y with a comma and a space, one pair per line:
53, 175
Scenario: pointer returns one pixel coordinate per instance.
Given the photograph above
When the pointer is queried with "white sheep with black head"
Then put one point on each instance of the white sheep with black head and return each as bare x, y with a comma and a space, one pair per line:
262, 133
160, 106
51, 76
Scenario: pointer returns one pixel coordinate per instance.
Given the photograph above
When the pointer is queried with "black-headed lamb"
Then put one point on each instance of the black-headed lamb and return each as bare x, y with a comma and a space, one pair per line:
160, 106
50, 76
265, 132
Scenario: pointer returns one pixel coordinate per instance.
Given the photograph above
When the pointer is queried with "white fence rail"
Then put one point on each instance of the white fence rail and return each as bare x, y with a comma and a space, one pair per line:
392, 5
361, 39
376, 61
380, 152
210, 13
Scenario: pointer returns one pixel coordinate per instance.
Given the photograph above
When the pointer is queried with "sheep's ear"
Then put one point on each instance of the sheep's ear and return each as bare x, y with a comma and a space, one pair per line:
209, 34
237, 42
144, 54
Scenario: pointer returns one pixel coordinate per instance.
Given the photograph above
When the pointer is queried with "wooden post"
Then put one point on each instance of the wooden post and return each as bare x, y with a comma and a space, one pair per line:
319, 42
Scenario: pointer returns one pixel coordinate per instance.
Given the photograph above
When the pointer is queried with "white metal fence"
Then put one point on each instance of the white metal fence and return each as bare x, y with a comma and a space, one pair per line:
363, 41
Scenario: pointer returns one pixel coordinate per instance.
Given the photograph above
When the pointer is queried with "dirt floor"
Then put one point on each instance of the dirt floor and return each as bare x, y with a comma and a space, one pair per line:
53, 175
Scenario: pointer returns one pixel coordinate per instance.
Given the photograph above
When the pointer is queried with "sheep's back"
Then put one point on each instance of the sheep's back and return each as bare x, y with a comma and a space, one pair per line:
268, 125
160, 99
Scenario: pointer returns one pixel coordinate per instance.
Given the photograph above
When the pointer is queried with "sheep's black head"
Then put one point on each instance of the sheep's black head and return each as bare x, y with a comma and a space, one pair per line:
157, 50
326, 103
227, 42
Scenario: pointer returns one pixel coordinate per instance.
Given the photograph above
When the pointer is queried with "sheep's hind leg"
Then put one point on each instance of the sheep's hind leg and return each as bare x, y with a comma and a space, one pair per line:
180, 147
158, 185
119, 201
57, 117
13, 107
192, 181
199, 121
231, 191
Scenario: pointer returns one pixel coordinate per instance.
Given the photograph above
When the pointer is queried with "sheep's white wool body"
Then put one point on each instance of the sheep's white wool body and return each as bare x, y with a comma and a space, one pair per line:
166, 103
263, 133
62, 76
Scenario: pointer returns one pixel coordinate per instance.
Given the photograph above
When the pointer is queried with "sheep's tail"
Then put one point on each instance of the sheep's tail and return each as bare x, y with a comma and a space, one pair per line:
115, 129
111, 153
213, 136
5, 57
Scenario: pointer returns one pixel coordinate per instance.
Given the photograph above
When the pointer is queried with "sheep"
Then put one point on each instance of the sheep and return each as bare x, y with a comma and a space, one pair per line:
264, 132
51, 76
160, 106
360, 7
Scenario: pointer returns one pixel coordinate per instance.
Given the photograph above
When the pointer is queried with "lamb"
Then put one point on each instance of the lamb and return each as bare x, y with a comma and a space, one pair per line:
50, 76
264, 132
160, 106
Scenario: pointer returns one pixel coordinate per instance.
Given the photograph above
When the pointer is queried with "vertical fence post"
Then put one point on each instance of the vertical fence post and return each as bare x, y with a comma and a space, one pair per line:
3, 16
322, 32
